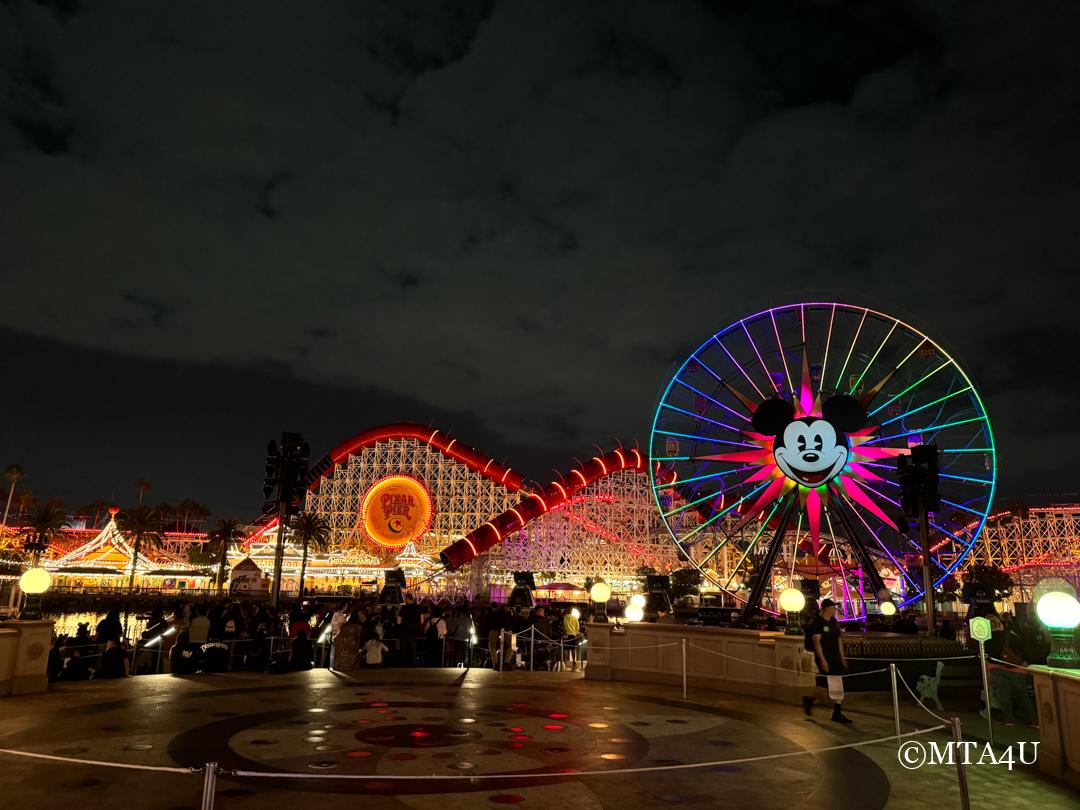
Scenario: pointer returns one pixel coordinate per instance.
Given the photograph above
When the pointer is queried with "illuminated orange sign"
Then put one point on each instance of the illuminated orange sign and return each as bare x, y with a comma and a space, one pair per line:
395, 510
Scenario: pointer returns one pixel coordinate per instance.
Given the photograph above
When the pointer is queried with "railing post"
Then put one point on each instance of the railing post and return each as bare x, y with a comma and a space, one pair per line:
502, 651
209, 785
532, 646
895, 700
684, 668
986, 691
958, 755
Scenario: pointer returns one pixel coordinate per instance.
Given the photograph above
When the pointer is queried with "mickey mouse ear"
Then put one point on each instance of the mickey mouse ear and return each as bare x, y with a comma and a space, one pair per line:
844, 412
773, 415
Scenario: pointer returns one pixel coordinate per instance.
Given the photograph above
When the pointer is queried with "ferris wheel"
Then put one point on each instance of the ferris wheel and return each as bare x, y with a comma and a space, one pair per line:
774, 455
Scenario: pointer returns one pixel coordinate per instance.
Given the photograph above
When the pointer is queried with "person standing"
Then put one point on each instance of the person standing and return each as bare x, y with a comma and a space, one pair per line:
408, 629
823, 640
572, 629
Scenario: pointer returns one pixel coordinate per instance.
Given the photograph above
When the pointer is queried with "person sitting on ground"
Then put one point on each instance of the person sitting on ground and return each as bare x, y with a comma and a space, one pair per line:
114, 661
373, 652
298, 623
76, 668
199, 630
301, 653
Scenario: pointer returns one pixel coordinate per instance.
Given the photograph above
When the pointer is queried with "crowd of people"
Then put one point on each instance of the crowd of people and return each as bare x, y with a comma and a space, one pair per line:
346, 634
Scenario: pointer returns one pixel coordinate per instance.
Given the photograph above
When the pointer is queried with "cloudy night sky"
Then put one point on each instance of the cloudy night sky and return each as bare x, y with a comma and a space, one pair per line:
508, 218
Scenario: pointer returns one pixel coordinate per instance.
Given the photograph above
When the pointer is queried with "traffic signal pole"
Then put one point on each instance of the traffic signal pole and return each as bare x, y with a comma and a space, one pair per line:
279, 554
927, 577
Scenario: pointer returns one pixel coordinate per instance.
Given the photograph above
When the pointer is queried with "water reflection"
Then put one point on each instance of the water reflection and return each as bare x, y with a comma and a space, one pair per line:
68, 623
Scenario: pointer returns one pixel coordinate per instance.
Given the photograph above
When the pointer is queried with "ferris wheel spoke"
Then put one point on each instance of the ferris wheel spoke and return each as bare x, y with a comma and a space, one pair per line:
783, 354
765, 368
715, 402
878, 540
944, 398
879, 386
705, 439
911, 387
851, 349
927, 430
739, 366
825, 354
718, 515
764, 573
699, 417
963, 508
874, 357
698, 478
855, 542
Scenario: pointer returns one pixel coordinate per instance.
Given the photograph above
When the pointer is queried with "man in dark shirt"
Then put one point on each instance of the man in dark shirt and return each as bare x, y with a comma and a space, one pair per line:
408, 630
823, 640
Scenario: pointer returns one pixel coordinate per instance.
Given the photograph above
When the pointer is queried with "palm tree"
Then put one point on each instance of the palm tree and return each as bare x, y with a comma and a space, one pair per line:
218, 542
45, 523
141, 525
191, 510
94, 511
14, 474
312, 530
142, 486
25, 500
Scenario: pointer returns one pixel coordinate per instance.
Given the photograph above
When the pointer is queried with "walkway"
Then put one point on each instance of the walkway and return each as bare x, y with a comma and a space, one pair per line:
448, 722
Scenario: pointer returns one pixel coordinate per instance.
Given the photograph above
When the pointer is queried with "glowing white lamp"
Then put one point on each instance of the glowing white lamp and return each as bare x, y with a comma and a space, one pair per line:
575, 613
634, 613
600, 592
1060, 612
35, 581
792, 600
638, 600
887, 608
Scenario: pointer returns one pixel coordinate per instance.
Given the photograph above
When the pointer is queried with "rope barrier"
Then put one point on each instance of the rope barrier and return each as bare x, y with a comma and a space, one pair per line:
646, 647
902, 660
916, 697
787, 669
570, 773
125, 765
1008, 664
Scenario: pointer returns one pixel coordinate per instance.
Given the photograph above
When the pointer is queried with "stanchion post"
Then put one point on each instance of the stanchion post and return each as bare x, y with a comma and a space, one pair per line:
684, 669
209, 785
532, 646
502, 651
986, 692
958, 755
895, 701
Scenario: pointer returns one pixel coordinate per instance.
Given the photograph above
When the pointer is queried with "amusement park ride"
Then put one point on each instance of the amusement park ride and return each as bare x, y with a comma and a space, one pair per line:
785, 430
776, 456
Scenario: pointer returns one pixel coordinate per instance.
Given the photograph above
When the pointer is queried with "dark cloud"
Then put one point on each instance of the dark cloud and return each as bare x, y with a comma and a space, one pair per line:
526, 212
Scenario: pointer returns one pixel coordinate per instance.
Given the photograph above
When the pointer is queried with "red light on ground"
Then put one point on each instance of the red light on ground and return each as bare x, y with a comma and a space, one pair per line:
558, 716
358, 754
419, 734
553, 727
521, 737
517, 745
516, 729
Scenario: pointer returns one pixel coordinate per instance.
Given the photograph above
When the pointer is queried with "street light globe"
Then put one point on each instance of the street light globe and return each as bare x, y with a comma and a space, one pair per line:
35, 581
792, 600
600, 592
575, 613
634, 613
1057, 610
887, 608
638, 600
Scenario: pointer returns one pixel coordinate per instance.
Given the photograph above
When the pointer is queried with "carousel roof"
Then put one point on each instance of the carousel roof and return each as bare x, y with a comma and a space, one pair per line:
108, 553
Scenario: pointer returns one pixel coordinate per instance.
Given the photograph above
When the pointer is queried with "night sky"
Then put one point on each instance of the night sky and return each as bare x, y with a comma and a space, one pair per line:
221, 220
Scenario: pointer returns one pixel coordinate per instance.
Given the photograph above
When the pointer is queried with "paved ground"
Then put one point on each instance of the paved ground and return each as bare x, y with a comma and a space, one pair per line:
447, 722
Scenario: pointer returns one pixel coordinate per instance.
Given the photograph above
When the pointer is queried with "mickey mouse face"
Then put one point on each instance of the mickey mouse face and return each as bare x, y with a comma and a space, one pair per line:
809, 452
812, 450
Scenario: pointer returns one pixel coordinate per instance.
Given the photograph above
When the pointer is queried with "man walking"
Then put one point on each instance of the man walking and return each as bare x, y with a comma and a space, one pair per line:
823, 640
